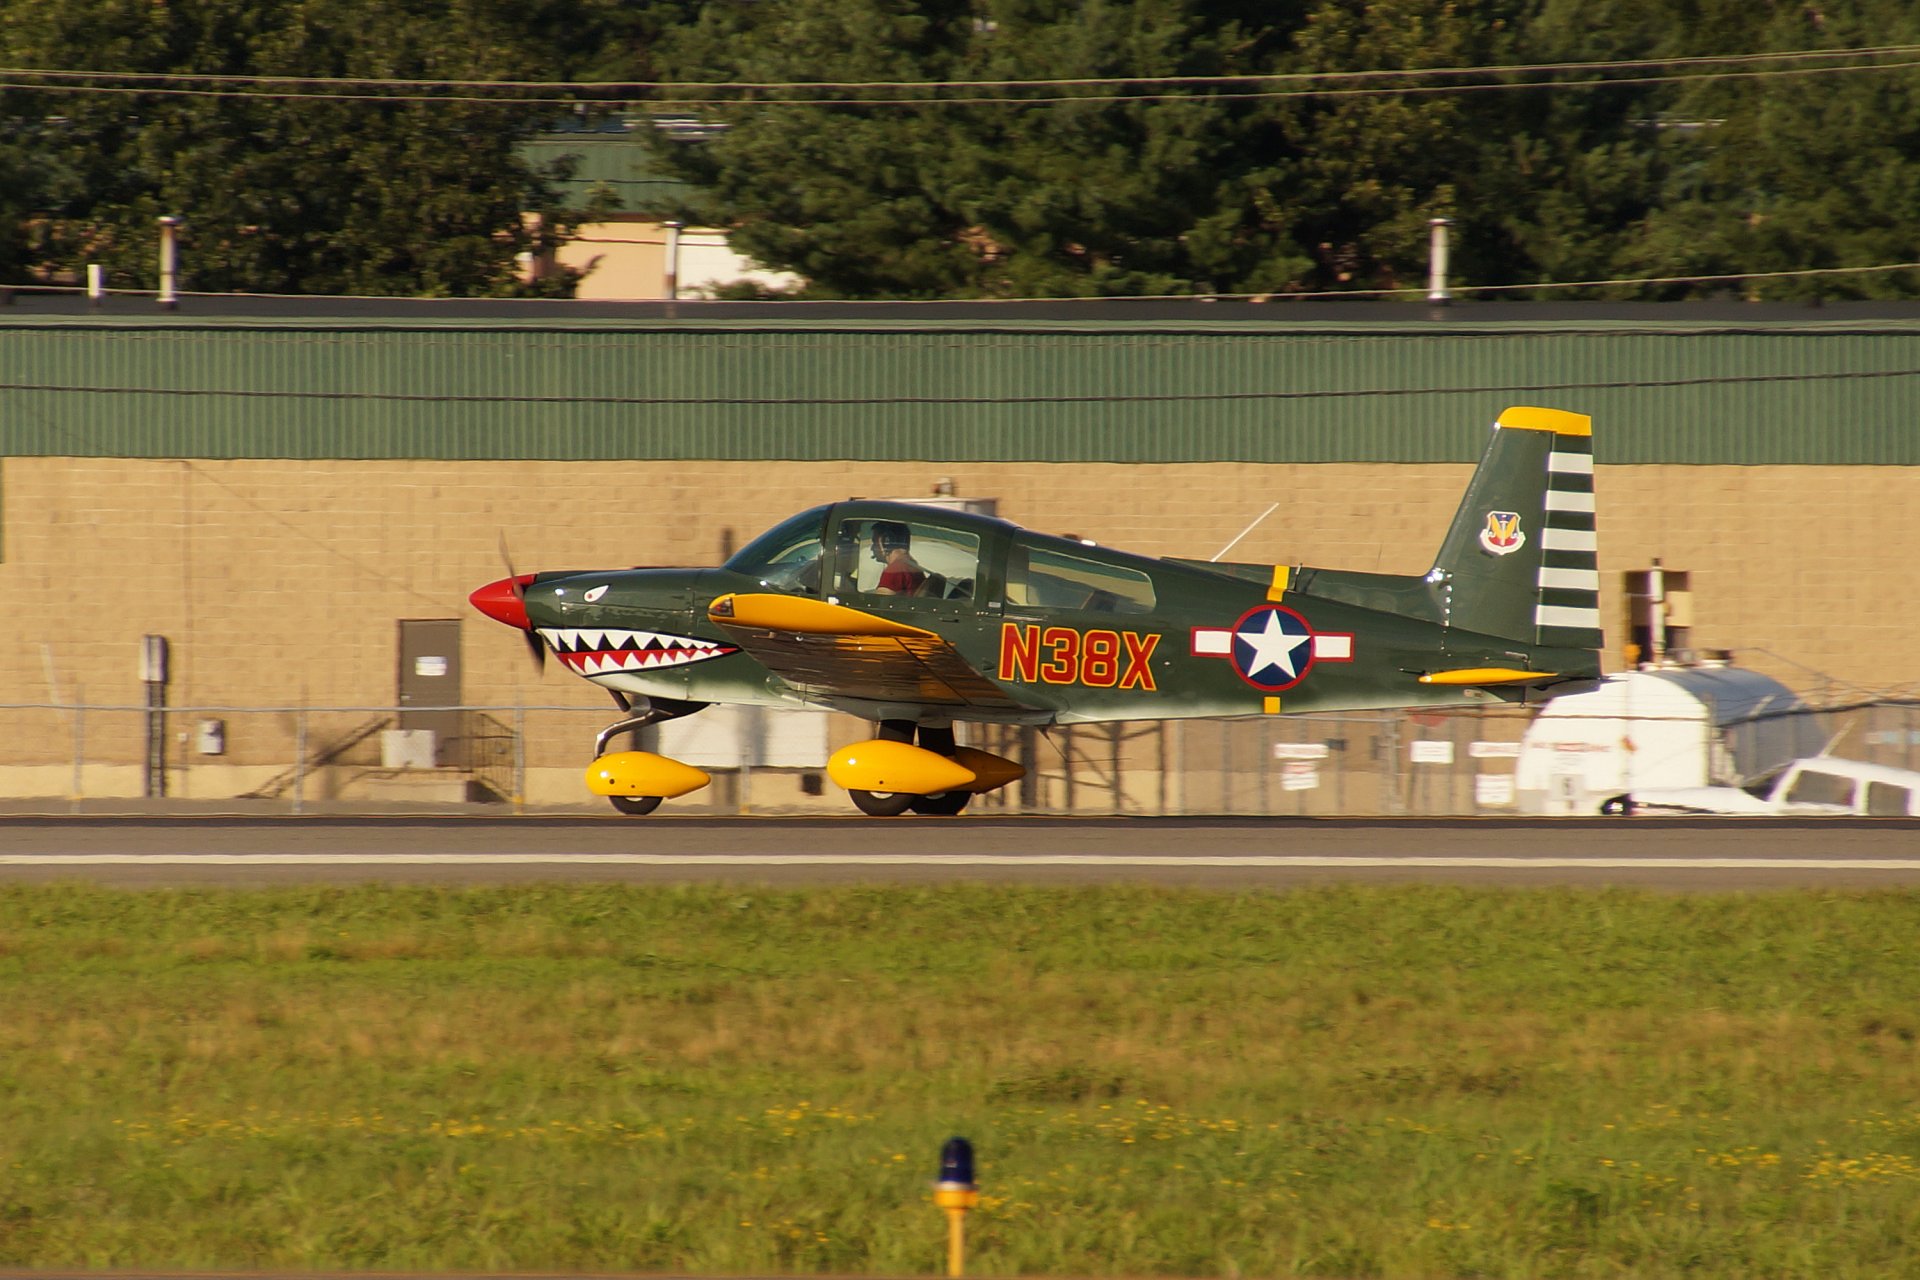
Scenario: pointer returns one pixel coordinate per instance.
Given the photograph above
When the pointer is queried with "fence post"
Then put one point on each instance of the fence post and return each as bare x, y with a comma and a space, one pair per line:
1226, 765
1266, 762
1390, 737
79, 749
1160, 734
1066, 764
519, 756
1461, 792
753, 726
299, 760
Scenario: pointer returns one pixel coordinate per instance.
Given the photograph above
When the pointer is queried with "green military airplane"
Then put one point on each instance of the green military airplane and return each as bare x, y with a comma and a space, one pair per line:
918, 618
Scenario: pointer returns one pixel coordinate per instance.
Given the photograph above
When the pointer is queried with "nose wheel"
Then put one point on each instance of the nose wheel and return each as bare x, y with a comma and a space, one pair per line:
641, 713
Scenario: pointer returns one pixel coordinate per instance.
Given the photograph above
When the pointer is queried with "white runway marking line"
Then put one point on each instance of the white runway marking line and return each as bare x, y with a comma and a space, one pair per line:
1250, 861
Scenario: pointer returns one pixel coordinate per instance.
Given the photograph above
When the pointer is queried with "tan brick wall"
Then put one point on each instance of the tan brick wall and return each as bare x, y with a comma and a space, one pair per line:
280, 582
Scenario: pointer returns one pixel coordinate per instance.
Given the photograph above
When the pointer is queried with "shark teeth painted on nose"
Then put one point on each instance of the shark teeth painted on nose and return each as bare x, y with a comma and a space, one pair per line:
595, 650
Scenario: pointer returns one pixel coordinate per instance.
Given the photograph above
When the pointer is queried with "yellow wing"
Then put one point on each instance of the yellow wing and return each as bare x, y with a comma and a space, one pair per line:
824, 648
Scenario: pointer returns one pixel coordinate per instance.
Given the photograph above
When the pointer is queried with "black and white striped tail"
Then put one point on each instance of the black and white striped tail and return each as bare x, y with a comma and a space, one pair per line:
1568, 614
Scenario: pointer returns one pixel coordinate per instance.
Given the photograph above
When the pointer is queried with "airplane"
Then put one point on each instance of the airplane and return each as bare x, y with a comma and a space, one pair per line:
918, 618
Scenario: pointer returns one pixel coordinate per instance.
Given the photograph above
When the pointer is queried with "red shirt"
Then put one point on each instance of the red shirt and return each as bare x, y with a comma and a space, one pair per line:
902, 579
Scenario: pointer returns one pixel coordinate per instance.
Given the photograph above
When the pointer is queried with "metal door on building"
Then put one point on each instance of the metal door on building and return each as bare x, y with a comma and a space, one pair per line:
429, 680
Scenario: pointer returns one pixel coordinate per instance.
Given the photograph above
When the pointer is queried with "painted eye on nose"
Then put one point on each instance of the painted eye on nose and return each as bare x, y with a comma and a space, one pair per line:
594, 594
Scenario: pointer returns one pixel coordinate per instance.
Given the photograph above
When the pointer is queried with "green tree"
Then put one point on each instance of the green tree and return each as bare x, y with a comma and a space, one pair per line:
1804, 172
1194, 191
1356, 173
284, 194
1563, 180
35, 177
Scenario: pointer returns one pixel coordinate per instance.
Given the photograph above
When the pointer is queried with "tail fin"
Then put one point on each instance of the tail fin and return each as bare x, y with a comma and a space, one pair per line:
1519, 559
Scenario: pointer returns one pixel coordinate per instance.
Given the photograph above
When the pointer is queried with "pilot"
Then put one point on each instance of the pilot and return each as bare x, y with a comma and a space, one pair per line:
891, 547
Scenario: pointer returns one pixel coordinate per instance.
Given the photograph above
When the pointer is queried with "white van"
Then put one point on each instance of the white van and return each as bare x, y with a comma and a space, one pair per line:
1815, 785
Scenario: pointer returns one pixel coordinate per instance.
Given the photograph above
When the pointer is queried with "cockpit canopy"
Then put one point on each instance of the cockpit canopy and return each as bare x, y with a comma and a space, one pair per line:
787, 556
875, 549
860, 549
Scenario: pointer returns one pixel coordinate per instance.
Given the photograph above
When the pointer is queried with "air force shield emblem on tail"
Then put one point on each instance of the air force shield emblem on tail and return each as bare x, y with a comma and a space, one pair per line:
1503, 535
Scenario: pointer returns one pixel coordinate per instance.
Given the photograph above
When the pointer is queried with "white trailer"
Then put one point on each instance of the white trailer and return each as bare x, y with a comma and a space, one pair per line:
1664, 727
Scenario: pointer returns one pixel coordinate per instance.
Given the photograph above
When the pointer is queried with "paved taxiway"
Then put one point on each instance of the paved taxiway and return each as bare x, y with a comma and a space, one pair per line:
1704, 853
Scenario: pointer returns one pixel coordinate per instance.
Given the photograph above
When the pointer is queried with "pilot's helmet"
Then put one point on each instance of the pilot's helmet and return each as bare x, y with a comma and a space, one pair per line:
891, 535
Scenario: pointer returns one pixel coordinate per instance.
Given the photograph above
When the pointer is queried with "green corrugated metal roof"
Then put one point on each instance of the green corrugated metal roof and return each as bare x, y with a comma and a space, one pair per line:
960, 391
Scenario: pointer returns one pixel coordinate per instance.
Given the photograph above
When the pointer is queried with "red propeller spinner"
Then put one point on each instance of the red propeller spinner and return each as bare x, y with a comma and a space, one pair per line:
505, 601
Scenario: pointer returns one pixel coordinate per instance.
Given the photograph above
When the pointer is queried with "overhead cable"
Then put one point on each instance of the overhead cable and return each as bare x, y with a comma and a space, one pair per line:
717, 93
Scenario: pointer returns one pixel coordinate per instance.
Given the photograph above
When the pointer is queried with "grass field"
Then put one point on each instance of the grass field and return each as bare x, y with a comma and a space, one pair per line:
1335, 1082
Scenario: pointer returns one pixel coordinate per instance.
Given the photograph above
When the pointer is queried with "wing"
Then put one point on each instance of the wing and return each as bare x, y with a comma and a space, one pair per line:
830, 649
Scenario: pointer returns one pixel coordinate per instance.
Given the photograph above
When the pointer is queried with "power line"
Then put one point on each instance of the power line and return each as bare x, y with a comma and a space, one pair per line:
1277, 77
710, 93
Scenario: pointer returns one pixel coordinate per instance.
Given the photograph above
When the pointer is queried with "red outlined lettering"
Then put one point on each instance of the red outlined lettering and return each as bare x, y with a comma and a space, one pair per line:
1019, 652
1139, 675
1100, 659
1092, 658
1063, 666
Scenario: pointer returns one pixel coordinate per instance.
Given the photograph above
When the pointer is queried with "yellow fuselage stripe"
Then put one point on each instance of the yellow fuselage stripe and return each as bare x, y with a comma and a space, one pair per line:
1488, 675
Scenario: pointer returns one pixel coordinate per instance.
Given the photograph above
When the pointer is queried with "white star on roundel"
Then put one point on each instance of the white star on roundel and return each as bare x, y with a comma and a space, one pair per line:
1273, 645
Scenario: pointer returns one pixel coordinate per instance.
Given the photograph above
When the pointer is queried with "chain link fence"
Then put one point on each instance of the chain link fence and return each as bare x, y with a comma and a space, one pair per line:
532, 758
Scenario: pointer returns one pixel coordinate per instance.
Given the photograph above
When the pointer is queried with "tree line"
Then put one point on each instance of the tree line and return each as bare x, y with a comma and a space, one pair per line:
1176, 183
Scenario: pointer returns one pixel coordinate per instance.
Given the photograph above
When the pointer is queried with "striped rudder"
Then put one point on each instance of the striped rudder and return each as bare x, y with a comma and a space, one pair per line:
1568, 614
1518, 562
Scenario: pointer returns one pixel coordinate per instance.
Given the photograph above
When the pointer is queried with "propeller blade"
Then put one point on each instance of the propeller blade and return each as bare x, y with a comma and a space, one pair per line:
535, 645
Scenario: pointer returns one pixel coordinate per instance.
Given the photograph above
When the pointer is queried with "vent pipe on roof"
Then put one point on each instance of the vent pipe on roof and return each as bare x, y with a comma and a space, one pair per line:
672, 264
169, 260
1437, 261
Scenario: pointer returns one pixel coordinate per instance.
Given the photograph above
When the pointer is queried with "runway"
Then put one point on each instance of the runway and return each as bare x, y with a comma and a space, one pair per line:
1668, 853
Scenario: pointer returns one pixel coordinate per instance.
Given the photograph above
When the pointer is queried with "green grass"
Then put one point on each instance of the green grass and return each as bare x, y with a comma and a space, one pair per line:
1333, 1082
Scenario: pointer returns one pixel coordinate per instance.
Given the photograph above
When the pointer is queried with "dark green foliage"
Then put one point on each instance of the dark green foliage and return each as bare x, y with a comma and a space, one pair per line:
283, 194
1204, 192
1067, 190
1807, 172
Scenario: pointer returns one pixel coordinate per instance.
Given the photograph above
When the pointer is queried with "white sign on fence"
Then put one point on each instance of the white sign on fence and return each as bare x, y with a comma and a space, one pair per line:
1431, 751
1494, 750
1299, 775
1300, 751
1491, 790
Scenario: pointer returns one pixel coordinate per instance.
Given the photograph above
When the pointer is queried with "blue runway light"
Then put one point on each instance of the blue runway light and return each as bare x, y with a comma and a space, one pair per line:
955, 1194
956, 1163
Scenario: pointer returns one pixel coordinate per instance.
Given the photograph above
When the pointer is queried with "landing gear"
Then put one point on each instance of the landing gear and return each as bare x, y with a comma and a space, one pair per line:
636, 806
640, 770
887, 804
937, 739
945, 805
884, 804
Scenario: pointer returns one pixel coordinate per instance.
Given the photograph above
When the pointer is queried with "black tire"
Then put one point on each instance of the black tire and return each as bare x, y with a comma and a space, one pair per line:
1618, 807
635, 806
944, 805
883, 804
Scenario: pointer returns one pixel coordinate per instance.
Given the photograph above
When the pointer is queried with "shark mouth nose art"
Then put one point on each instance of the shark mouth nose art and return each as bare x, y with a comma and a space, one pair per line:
592, 651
